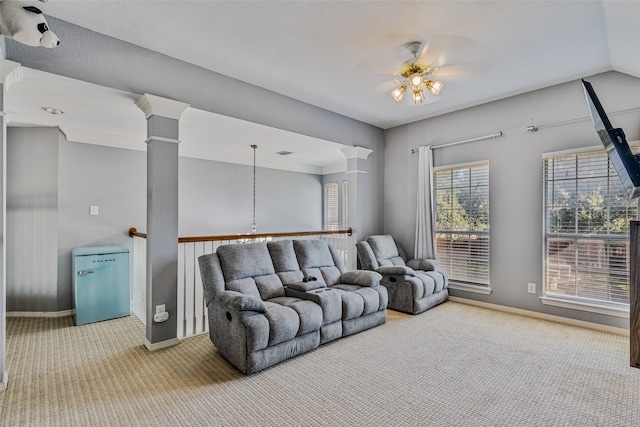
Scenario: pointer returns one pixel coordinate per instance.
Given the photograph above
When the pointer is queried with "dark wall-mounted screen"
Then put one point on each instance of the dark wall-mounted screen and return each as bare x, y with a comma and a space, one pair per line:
626, 164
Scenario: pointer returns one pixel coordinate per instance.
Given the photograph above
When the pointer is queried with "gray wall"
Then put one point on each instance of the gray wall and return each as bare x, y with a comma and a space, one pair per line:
112, 179
32, 216
217, 198
67, 178
515, 174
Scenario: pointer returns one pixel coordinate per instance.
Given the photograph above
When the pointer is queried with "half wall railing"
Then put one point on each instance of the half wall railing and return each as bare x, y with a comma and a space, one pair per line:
192, 312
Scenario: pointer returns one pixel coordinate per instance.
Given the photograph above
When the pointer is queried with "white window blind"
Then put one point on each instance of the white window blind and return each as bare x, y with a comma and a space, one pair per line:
461, 197
345, 205
331, 206
586, 229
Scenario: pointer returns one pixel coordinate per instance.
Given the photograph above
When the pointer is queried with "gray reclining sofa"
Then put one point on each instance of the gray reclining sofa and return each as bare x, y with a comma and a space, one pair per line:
414, 285
271, 301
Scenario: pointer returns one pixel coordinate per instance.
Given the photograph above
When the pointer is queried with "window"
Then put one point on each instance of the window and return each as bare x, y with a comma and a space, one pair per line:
586, 231
336, 208
331, 206
461, 197
345, 205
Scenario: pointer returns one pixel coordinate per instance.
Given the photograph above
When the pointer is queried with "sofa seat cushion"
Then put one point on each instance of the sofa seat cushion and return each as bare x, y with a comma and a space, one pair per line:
390, 262
309, 313
359, 301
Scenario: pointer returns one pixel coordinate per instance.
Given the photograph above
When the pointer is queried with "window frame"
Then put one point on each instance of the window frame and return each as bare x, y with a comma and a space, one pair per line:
548, 297
483, 287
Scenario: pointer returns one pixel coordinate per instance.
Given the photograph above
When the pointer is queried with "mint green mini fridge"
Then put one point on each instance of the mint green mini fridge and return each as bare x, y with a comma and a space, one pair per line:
100, 283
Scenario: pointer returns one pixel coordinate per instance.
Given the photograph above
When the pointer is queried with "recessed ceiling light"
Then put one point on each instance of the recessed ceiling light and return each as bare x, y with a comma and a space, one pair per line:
52, 110
284, 152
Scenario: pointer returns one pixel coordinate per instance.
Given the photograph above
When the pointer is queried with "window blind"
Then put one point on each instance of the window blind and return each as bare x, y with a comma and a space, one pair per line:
331, 206
461, 197
586, 229
345, 205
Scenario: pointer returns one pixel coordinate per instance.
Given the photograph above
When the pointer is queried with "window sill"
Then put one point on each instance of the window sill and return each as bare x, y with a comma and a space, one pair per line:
470, 288
609, 309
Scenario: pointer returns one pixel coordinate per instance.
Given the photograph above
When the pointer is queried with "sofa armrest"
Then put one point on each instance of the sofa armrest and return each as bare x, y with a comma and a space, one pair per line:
361, 278
307, 286
424, 264
396, 270
240, 302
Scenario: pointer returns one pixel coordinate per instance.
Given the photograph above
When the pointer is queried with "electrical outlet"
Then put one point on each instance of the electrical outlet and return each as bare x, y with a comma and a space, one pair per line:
531, 288
94, 210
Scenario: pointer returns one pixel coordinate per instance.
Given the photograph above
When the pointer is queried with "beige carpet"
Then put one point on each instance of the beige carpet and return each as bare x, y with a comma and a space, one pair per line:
455, 365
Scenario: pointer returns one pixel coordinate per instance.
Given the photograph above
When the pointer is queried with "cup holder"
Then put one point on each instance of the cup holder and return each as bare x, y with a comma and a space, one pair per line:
229, 316
393, 279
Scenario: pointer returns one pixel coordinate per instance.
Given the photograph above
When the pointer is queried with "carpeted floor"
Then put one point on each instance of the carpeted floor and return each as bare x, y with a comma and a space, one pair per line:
455, 365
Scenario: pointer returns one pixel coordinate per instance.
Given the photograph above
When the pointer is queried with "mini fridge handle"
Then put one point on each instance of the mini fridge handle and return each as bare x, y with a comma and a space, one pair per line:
85, 272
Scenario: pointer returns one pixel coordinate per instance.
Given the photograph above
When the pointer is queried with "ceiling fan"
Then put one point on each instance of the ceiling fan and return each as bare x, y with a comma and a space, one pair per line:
416, 76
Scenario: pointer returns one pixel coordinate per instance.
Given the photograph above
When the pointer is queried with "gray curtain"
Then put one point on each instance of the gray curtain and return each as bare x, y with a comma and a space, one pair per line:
424, 247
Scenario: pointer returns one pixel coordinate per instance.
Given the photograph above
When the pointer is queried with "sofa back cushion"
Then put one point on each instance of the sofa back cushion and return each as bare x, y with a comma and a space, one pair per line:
317, 259
385, 250
239, 261
313, 253
285, 261
248, 268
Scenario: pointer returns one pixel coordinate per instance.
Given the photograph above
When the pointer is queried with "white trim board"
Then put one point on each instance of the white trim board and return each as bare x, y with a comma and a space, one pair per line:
52, 314
543, 316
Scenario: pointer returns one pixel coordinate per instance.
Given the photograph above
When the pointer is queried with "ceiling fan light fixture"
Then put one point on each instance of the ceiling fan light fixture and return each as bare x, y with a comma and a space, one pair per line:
418, 96
415, 80
415, 75
398, 93
434, 86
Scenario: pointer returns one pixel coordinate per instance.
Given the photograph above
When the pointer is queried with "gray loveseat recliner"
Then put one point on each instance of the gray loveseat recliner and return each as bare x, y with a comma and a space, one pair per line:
271, 301
414, 285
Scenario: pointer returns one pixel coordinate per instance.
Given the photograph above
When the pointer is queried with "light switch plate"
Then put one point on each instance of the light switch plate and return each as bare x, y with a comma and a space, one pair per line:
94, 210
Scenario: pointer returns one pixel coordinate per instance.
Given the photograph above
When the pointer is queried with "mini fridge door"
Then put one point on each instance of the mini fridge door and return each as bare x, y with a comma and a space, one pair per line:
100, 283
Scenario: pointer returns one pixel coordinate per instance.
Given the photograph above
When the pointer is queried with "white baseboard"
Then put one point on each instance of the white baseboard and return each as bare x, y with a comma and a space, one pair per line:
543, 316
5, 380
62, 313
160, 345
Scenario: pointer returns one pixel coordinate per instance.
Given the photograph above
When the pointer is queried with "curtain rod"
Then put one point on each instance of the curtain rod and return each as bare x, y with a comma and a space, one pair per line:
534, 128
464, 141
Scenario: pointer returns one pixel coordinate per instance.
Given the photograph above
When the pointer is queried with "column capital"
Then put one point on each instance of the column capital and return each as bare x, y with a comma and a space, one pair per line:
356, 152
10, 73
153, 105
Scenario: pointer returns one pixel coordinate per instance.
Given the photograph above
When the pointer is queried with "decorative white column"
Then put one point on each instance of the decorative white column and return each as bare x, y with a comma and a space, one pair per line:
10, 72
163, 117
356, 156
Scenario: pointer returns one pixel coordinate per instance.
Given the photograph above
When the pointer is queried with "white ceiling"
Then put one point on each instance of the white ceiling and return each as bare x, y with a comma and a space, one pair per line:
341, 55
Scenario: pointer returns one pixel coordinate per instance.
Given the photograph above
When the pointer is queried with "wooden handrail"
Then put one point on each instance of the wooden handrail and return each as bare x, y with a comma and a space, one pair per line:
349, 231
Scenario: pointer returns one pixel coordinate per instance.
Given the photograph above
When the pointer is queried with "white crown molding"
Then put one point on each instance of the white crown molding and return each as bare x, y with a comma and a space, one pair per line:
162, 139
335, 168
139, 144
356, 152
10, 73
220, 156
153, 105
105, 139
